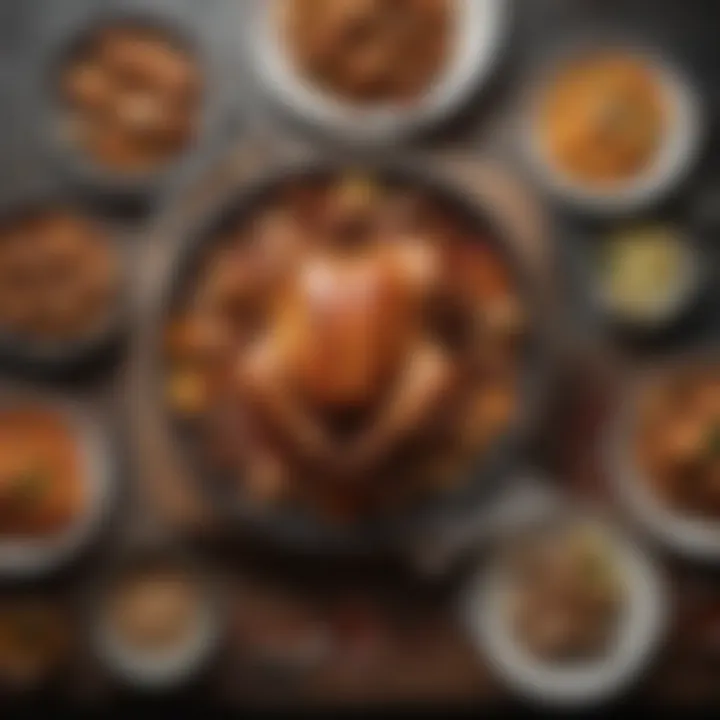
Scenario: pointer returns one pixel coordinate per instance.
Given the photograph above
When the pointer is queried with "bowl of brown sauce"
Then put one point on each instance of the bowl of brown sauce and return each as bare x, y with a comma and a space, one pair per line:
375, 69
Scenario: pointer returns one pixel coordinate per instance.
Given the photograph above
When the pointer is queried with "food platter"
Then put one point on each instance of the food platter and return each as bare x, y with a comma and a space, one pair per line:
294, 529
361, 110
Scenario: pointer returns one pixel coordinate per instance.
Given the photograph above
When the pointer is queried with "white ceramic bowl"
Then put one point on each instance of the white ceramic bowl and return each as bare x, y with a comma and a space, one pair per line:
25, 558
675, 158
691, 537
479, 28
167, 669
642, 623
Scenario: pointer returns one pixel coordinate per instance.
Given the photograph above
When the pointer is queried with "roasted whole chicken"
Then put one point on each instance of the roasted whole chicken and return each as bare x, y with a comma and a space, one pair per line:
350, 345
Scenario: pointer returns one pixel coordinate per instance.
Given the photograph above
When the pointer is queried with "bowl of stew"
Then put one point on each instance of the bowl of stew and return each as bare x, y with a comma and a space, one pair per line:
663, 454
62, 285
373, 69
570, 611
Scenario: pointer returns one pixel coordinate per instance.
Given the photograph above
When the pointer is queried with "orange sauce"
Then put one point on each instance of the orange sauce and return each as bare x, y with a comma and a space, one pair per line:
40, 473
603, 119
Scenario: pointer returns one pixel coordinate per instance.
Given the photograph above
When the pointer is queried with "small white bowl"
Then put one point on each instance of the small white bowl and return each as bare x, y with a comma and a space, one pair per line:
167, 669
691, 537
25, 558
594, 682
480, 28
674, 160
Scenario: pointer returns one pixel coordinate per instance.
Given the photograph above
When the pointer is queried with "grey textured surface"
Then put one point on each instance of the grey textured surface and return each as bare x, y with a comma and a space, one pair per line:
29, 28
32, 30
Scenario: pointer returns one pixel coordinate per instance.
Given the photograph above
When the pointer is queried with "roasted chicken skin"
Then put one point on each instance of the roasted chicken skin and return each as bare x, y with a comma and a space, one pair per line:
346, 338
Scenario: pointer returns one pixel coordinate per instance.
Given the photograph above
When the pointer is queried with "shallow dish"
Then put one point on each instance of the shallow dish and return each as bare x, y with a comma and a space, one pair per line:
26, 558
642, 623
480, 28
171, 667
73, 159
672, 163
78, 355
679, 303
693, 538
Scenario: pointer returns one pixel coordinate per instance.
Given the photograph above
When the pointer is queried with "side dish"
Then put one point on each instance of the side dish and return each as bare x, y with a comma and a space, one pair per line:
565, 595
677, 440
59, 276
647, 273
42, 486
368, 51
157, 621
155, 610
570, 611
603, 118
133, 95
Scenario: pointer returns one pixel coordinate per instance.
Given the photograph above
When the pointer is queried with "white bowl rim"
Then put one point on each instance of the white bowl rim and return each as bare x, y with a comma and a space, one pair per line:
30, 557
642, 628
481, 25
674, 161
694, 538
175, 665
